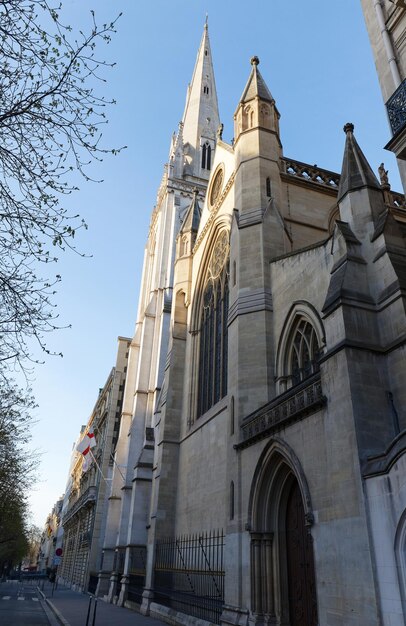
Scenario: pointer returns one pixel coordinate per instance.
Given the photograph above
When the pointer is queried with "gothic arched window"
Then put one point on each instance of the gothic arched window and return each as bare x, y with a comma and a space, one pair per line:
304, 351
213, 348
206, 156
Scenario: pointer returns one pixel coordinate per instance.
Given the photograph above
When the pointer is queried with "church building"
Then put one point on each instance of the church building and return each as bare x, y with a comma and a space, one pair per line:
260, 465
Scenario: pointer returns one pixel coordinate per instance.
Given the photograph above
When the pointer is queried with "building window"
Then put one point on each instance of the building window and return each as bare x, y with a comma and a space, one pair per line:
268, 187
206, 90
304, 352
231, 500
213, 348
206, 156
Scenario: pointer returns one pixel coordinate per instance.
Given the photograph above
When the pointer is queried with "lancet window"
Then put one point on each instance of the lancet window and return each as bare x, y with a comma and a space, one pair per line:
213, 328
206, 156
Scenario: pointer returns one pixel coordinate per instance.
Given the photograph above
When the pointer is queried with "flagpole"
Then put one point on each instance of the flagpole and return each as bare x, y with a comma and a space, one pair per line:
117, 466
98, 467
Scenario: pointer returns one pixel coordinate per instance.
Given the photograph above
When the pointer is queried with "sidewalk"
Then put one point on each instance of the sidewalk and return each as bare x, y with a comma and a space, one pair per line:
71, 607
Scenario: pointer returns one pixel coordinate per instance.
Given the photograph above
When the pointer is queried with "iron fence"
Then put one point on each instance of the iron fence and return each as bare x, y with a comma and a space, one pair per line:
189, 574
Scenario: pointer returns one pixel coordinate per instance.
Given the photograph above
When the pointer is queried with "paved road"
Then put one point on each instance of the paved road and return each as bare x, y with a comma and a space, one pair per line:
20, 605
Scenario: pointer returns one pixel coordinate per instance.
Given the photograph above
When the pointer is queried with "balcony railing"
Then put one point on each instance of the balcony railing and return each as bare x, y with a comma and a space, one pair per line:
291, 406
396, 107
87, 498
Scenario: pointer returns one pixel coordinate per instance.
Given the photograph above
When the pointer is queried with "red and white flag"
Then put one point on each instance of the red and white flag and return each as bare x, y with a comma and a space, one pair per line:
87, 461
87, 443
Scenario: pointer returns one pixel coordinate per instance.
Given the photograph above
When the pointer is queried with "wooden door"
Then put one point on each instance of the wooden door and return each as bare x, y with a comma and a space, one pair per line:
300, 564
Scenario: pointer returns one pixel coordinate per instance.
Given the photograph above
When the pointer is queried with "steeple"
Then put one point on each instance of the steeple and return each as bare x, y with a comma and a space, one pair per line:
201, 117
356, 171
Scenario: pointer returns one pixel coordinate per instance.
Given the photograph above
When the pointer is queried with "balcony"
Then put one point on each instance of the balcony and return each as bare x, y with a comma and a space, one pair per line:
396, 108
87, 498
289, 407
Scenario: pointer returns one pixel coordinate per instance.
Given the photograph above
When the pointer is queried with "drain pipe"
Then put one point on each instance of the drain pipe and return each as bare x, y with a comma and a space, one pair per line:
390, 52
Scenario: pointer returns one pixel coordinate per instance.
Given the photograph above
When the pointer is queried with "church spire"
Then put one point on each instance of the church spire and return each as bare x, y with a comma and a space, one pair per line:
201, 117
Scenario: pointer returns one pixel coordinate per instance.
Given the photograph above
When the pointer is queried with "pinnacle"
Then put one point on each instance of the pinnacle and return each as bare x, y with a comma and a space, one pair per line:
256, 86
356, 171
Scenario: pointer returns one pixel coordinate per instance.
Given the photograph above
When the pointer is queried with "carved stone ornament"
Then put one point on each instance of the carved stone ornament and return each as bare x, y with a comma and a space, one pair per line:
309, 519
219, 255
216, 187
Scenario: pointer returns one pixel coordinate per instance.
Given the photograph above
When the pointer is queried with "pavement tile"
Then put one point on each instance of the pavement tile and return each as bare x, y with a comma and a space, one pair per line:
72, 607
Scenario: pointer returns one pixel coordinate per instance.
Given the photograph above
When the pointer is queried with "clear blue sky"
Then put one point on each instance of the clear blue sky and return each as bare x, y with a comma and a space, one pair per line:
316, 60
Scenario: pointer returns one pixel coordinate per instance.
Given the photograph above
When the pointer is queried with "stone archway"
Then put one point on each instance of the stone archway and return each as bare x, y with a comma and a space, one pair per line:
283, 582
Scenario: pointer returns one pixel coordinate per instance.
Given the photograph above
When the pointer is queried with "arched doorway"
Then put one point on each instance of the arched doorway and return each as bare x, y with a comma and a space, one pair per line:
300, 563
283, 582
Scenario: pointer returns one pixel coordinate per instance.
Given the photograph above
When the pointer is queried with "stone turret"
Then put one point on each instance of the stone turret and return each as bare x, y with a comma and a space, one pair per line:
257, 108
259, 235
257, 145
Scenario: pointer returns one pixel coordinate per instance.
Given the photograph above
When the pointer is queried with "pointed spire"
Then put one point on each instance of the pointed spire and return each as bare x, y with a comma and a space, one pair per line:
201, 116
256, 109
192, 217
256, 86
356, 171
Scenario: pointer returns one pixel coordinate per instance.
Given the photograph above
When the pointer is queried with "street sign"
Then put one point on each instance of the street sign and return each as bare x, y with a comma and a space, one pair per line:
58, 552
56, 560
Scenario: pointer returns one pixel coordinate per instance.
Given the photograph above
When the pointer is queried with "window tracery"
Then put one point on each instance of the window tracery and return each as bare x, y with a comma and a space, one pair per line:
213, 348
304, 351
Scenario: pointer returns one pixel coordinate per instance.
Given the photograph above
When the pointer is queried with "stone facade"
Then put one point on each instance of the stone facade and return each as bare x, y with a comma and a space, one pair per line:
50, 539
386, 25
85, 512
260, 463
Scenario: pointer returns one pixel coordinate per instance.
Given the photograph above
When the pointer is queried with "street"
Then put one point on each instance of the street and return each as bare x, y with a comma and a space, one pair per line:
20, 604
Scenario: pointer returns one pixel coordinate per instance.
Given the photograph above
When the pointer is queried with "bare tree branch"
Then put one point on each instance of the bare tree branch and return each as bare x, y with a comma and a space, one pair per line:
51, 116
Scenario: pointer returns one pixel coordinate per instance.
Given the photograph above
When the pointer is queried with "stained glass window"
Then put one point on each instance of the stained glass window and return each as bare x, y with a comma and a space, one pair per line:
213, 329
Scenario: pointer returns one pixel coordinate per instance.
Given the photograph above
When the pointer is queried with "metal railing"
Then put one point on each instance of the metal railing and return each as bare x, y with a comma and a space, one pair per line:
189, 574
291, 406
396, 107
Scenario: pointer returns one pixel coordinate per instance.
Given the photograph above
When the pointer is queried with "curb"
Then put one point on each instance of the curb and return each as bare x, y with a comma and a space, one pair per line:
53, 608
